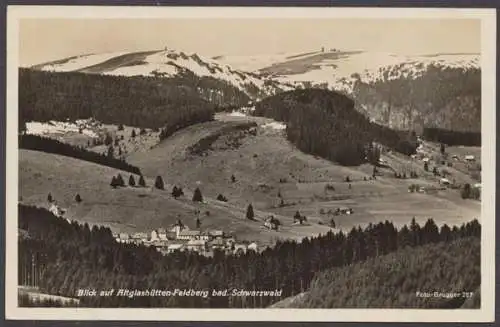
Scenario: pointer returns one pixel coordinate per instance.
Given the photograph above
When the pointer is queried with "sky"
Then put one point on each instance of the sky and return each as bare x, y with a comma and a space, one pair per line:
42, 40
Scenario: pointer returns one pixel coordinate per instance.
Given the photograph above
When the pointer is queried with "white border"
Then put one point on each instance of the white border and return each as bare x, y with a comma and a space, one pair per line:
488, 64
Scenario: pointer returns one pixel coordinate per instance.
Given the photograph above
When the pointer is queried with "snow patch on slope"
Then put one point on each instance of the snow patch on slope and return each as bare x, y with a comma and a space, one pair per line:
57, 127
81, 62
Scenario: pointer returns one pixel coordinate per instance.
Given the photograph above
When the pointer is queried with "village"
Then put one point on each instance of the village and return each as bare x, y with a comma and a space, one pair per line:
180, 238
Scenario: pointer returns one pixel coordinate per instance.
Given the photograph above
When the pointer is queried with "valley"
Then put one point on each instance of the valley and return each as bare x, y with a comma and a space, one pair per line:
270, 173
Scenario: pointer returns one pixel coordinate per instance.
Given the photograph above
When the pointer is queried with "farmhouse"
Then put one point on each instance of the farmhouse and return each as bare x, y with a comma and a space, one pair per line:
444, 181
56, 210
469, 158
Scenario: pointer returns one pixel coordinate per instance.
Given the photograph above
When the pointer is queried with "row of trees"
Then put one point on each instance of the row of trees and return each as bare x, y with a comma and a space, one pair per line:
325, 123
45, 144
450, 137
76, 256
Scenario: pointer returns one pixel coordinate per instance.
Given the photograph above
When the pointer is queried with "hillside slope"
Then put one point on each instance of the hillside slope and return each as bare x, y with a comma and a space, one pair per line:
394, 280
273, 175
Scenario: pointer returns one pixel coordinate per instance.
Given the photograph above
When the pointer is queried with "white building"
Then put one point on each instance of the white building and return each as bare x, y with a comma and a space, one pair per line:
154, 236
188, 235
469, 158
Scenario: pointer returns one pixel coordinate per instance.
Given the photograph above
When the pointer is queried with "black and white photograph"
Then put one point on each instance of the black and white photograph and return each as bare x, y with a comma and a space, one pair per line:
306, 164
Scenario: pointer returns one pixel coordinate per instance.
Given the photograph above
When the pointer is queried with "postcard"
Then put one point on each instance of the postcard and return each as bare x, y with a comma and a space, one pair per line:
265, 164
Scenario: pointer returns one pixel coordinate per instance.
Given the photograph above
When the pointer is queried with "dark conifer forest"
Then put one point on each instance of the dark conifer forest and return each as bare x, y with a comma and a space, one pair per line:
449, 137
148, 102
69, 256
325, 123
39, 143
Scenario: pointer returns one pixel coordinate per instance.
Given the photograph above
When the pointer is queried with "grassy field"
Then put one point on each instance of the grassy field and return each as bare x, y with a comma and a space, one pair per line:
269, 172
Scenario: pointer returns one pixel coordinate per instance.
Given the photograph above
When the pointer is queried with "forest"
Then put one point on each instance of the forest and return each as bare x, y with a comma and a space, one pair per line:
69, 256
438, 96
146, 102
325, 123
450, 137
392, 281
45, 144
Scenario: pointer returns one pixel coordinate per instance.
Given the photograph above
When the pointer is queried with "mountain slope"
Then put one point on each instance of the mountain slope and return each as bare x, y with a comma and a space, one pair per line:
165, 63
395, 280
402, 91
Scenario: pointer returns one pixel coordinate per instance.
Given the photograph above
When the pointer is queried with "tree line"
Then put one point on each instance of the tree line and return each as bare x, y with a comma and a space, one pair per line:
148, 102
45, 144
450, 137
75, 256
325, 123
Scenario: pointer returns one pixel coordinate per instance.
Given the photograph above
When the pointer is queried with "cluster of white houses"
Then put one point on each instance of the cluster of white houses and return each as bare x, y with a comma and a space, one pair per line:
181, 238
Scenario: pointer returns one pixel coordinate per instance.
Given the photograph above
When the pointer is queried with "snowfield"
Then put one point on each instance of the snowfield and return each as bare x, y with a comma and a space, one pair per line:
56, 127
341, 73
81, 62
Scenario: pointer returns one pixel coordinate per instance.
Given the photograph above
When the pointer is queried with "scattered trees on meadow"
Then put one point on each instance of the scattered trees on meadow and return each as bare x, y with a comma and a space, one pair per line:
159, 183
78, 198
250, 214
177, 192
197, 196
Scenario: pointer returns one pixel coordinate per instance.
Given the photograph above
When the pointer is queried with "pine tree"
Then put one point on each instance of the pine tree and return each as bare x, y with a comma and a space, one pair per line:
198, 223
114, 182
49, 198
133, 133
78, 198
233, 179
426, 166
175, 192
108, 139
197, 197
131, 181
159, 183
120, 181
142, 182
250, 213
443, 149
120, 127
466, 191
110, 151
